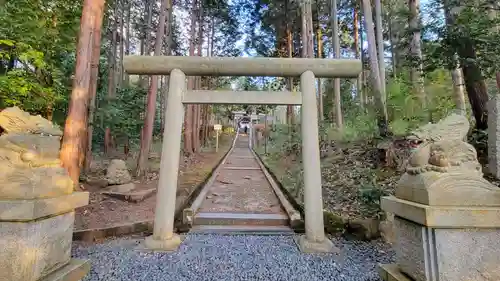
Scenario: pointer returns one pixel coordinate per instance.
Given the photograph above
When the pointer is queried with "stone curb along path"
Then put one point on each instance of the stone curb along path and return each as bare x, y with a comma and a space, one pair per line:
362, 229
92, 234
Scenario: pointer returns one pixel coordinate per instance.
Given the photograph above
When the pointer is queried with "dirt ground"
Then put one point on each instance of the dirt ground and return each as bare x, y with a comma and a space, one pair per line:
104, 211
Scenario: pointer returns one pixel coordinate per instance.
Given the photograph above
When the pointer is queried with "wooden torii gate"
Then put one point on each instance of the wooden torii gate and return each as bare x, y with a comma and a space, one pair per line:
163, 237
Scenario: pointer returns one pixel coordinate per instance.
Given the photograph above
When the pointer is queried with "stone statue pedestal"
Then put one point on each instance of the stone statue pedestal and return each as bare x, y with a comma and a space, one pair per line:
37, 202
36, 236
440, 243
447, 216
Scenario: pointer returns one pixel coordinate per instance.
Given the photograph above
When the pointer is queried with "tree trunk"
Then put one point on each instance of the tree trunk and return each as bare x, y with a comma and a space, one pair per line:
398, 31
212, 85
94, 76
474, 84
289, 108
162, 99
197, 108
149, 22
337, 99
168, 52
147, 45
474, 80
143, 34
127, 42
363, 59
380, 43
307, 30
122, 44
189, 114
319, 44
381, 109
393, 48
359, 83
493, 15
320, 84
75, 128
416, 73
111, 77
147, 137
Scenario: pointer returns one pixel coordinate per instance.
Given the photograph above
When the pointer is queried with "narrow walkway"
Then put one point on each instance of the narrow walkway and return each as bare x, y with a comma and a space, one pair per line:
232, 258
240, 197
241, 186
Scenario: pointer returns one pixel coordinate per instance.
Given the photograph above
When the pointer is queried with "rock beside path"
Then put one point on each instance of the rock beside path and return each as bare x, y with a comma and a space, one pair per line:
117, 173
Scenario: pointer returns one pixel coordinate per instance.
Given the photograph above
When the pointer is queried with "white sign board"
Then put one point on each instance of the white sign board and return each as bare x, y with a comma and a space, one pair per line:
218, 127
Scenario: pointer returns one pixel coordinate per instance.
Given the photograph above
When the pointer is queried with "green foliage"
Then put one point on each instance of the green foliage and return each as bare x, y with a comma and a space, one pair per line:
25, 85
362, 126
120, 115
37, 37
471, 31
370, 197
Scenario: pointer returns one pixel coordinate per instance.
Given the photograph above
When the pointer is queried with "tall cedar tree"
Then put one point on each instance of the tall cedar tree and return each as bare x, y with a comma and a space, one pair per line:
75, 129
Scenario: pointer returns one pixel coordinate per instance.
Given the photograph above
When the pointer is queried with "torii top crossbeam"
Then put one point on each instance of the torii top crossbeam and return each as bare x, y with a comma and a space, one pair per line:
237, 66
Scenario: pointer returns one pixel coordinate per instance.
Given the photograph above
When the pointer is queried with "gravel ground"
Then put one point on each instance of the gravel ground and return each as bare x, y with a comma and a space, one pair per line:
233, 258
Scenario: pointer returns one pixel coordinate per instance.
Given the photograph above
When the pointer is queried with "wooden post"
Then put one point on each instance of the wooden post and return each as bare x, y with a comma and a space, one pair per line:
217, 129
217, 141
265, 135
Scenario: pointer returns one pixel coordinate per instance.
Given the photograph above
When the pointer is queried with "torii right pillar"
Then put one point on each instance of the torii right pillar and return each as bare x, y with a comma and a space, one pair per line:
315, 240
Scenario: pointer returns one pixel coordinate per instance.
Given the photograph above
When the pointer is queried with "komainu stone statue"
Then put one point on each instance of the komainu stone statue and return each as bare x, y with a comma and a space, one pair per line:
446, 215
29, 157
37, 202
444, 169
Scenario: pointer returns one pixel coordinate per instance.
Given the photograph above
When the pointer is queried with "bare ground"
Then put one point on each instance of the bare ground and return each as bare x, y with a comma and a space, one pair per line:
103, 211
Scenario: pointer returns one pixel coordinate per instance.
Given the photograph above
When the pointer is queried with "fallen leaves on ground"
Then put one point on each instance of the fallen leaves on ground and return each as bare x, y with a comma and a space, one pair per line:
352, 178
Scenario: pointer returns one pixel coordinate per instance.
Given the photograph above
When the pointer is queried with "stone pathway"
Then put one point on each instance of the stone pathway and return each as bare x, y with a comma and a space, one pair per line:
233, 258
240, 197
241, 186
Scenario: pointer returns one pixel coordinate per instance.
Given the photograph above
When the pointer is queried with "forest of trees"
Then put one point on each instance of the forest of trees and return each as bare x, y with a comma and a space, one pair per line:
63, 59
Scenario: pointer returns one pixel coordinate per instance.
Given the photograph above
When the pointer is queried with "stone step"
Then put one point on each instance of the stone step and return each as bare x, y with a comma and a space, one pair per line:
241, 219
240, 168
242, 229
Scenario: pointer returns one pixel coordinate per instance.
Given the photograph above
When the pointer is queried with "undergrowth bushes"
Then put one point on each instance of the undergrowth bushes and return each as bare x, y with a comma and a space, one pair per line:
283, 146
